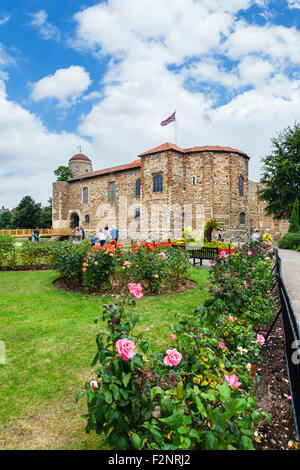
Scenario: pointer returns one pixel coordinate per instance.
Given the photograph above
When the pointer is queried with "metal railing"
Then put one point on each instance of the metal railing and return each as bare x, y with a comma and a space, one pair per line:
291, 340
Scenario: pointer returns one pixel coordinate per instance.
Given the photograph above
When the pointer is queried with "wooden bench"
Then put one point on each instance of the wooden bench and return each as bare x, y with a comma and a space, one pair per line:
201, 253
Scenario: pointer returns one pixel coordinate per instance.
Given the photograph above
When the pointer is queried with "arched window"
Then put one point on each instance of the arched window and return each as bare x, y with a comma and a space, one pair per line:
138, 187
137, 214
241, 186
85, 195
157, 183
111, 191
242, 218
87, 219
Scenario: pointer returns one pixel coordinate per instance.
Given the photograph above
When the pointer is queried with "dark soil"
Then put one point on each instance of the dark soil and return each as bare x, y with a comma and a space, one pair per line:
273, 395
184, 286
40, 267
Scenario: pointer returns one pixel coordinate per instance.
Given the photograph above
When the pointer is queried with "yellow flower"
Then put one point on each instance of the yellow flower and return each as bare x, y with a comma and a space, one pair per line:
96, 263
196, 380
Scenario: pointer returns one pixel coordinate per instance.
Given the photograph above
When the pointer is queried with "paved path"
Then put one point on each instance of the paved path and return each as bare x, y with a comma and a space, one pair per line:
290, 266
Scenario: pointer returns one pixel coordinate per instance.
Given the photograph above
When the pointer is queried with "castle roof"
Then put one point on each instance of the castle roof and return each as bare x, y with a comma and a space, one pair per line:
207, 148
80, 156
114, 169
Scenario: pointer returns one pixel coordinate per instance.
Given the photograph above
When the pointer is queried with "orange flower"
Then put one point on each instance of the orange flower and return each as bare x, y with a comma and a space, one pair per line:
156, 276
84, 269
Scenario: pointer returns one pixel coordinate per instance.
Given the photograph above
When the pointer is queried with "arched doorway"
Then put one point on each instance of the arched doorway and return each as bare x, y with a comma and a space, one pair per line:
74, 220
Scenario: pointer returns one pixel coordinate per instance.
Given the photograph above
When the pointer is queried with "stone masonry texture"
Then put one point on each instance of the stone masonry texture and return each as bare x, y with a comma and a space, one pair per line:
196, 182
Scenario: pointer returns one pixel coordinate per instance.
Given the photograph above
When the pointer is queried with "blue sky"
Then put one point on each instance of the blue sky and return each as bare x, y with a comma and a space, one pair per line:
104, 74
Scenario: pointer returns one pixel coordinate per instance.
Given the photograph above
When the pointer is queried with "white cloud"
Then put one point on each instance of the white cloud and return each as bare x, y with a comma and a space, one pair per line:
46, 29
294, 4
141, 86
29, 153
231, 83
4, 20
65, 85
277, 42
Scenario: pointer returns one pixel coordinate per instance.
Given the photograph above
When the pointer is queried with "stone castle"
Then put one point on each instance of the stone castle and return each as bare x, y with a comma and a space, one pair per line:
166, 189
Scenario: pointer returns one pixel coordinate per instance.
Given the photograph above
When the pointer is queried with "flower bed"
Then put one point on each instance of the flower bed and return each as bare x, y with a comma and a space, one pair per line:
199, 393
110, 268
27, 256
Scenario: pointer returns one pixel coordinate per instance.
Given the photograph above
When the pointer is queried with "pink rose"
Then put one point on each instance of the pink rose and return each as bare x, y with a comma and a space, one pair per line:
249, 253
222, 345
125, 348
260, 339
94, 384
172, 336
230, 318
135, 289
173, 357
223, 253
226, 274
233, 381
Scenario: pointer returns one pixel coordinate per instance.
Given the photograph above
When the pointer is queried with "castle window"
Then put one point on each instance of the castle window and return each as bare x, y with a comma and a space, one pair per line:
242, 218
111, 191
87, 219
137, 214
138, 187
85, 195
157, 183
241, 186
194, 181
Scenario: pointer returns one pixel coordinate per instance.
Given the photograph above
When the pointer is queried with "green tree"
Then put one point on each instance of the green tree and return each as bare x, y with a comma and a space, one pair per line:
209, 227
46, 215
295, 217
5, 219
27, 214
281, 174
63, 173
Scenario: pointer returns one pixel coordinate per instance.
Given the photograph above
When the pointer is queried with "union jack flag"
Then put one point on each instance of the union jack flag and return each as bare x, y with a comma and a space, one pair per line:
168, 120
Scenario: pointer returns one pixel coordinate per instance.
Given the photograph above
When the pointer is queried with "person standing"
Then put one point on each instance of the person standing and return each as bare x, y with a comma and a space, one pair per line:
115, 234
100, 237
256, 236
36, 234
106, 233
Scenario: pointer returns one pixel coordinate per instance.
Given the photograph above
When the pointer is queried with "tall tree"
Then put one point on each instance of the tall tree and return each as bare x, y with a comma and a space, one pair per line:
46, 215
295, 217
5, 219
27, 214
63, 173
281, 173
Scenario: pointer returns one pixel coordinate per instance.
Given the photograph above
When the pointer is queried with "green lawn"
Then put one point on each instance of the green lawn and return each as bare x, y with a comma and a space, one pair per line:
50, 341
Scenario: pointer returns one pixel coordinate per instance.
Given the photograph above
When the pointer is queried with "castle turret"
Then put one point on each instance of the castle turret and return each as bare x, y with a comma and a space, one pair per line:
80, 164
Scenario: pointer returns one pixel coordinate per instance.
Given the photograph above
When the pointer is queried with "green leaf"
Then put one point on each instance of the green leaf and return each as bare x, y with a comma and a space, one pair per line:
225, 392
126, 379
79, 396
156, 391
237, 406
108, 396
180, 391
137, 441
246, 443
201, 407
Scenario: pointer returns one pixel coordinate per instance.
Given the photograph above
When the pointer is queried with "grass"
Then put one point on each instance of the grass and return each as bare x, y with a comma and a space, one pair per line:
49, 336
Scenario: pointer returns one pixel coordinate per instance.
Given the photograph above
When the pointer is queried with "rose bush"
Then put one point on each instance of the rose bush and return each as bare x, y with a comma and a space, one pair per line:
199, 391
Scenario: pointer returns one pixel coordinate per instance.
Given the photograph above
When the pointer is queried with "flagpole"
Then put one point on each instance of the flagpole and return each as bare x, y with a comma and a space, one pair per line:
175, 130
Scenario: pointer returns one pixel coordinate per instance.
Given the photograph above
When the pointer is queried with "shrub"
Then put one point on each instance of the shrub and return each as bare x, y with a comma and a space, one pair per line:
35, 254
8, 253
98, 266
200, 393
68, 259
290, 241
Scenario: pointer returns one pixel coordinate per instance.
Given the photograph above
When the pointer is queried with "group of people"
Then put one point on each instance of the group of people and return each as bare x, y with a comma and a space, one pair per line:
103, 236
79, 235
